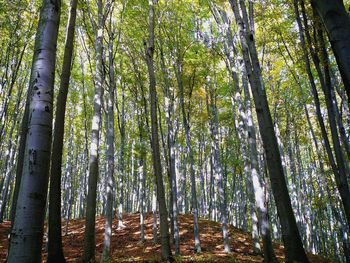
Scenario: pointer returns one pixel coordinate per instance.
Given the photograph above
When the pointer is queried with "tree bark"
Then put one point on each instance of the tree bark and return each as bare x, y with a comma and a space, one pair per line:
341, 180
337, 164
8, 169
164, 226
110, 150
217, 166
178, 72
170, 152
122, 174
55, 251
291, 238
9, 157
27, 232
89, 235
257, 179
142, 174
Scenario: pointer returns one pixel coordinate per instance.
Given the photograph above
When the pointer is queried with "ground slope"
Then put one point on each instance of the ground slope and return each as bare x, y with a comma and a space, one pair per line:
126, 245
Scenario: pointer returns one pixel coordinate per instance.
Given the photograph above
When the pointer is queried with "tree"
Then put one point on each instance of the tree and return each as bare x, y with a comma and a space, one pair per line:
110, 145
217, 163
89, 241
290, 233
169, 97
28, 227
54, 248
178, 72
337, 163
157, 169
231, 104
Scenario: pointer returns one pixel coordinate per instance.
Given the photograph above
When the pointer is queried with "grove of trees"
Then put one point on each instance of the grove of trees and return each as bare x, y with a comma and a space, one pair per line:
235, 111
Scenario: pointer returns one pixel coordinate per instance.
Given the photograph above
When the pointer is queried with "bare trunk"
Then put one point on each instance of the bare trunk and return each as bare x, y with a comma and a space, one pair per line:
122, 174
27, 232
142, 174
257, 180
110, 152
55, 252
171, 139
89, 235
217, 166
197, 244
164, 226
337, 164
290, 233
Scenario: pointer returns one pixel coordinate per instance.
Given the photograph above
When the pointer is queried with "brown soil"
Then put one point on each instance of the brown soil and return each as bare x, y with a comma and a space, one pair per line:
126, 245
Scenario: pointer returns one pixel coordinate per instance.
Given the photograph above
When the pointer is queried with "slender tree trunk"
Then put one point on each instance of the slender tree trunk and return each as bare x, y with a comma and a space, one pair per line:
11, 147
110, 151
13, 78
8, 170
184, 199
69, 180
55, 251
171, 139
20, 156
142, 174
83, 175
259, 198
89, 235
122, 173
154, 212
164, 227
257, 179
203, 199
27, 232
217, 167
242, 131
293, 172
341, 127
342, 182
337, 164
291, 238
178, 70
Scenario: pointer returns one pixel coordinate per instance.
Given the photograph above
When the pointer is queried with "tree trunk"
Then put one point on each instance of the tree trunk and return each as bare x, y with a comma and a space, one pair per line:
254, 170
170, 152
20, 158
8, 172
291, 238
342, 182
142, 174
122, 174
110, 151
178, 72
9, 157
27, 232
89, 235
164, 227
55, 252
257, 179
217, 166
337, 164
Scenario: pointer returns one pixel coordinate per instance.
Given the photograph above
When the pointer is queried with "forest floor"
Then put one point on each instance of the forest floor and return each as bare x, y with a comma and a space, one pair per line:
126, 245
